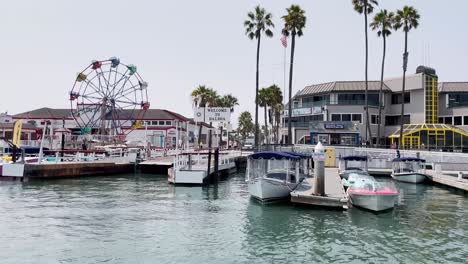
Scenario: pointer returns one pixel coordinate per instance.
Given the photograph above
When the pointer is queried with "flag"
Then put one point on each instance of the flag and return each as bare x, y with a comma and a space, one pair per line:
284, 41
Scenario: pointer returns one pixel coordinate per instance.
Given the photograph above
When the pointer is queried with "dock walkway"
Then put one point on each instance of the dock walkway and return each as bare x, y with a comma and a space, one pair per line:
335, 195
448, 180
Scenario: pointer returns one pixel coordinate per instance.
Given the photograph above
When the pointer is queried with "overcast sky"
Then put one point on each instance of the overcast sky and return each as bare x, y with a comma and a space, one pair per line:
178, 45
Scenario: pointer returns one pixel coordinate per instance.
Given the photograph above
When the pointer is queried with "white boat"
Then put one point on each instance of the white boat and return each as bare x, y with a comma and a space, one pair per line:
352, 164
409, 169
273, 175
365, 192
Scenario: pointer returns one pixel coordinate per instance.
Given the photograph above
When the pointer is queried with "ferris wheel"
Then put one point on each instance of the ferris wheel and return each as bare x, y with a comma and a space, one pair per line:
109, 98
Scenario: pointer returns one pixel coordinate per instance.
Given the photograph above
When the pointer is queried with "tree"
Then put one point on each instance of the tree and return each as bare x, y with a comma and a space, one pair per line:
365, 7
258, 22
264, 101
407, 19
276, 106
245, 125
203, 96
383, 23
294, 23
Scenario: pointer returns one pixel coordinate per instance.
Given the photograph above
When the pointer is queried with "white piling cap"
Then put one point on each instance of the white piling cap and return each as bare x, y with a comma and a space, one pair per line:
319, 148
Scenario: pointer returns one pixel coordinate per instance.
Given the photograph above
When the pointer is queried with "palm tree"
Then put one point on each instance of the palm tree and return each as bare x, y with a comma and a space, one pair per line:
294, 23
406, 18
258, 22
201, 97
276, 105
264, 101
383, 23
245, 125
365, 7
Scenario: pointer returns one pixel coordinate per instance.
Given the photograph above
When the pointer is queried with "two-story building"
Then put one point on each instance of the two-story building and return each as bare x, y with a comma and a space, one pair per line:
334, 112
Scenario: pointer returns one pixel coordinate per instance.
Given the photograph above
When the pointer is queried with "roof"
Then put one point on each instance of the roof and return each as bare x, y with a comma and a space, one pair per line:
448, 87
342, 86
412, 128
408, 159
45, 113
354, 158
300, 155
273, 155
12, 124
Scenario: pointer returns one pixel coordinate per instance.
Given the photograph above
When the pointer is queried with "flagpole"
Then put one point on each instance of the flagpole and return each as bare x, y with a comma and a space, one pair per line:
284, 77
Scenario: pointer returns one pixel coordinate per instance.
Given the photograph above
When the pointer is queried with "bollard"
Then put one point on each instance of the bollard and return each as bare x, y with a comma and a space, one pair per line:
319, 170
460, 175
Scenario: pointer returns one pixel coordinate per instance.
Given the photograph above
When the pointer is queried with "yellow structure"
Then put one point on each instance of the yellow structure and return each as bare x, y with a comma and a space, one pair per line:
17, 133
330, 159
431, 98
431, 136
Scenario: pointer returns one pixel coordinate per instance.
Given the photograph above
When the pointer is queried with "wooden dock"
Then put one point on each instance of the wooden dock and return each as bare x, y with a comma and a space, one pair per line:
335, 196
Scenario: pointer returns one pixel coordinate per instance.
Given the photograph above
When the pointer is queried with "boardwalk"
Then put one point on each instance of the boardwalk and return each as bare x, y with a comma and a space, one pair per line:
335, 195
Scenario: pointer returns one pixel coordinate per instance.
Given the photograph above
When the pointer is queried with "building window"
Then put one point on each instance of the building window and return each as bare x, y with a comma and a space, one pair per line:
448, 120
441, 120
336, 117
161, 123
395, 120
358, 99
346, 117
457, 120
457, 99
375, 119
356, 118
397, 98
168, 123
465, 120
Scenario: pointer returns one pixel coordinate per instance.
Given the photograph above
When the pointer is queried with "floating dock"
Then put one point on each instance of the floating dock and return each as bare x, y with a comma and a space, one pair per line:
335, 196
445, 178
25, 172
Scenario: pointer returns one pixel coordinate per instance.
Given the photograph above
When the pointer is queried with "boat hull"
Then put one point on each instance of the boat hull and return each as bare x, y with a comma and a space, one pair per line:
373, 202
411, 177
265, 189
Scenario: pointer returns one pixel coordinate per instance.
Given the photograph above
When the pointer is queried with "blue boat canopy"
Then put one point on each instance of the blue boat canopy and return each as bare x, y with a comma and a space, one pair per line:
355, 158
408, 159
273, 155
300, 155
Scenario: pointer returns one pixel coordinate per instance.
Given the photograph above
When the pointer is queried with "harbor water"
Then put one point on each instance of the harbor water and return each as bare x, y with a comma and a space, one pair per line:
142, 219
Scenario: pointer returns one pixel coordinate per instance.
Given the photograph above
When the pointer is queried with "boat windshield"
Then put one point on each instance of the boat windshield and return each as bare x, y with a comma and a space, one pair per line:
360, 183
409, 166
276, 168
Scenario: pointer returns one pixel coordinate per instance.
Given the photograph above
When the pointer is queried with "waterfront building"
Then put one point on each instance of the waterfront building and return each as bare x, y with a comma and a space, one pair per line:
334, 112
160, 128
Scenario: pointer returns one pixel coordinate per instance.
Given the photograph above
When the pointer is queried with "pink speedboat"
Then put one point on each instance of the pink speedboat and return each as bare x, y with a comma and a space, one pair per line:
365, 192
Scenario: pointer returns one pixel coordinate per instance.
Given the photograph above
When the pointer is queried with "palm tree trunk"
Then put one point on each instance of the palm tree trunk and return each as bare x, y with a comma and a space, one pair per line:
266, 126
256, 93
293, 44
405, 64
380, 91
368, 130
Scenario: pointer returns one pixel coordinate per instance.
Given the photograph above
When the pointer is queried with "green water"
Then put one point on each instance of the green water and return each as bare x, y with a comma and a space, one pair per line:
142, 219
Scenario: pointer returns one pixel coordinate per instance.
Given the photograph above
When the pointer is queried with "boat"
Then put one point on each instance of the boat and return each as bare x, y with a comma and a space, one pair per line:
409, 169
365, 192
352, 164
272, 175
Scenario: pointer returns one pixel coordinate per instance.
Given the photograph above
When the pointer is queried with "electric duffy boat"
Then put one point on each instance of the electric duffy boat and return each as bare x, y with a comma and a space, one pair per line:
352, 164
411, 170
274, 175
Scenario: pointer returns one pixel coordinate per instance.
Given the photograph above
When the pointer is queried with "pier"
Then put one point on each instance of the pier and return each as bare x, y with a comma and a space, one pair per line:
335, 196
